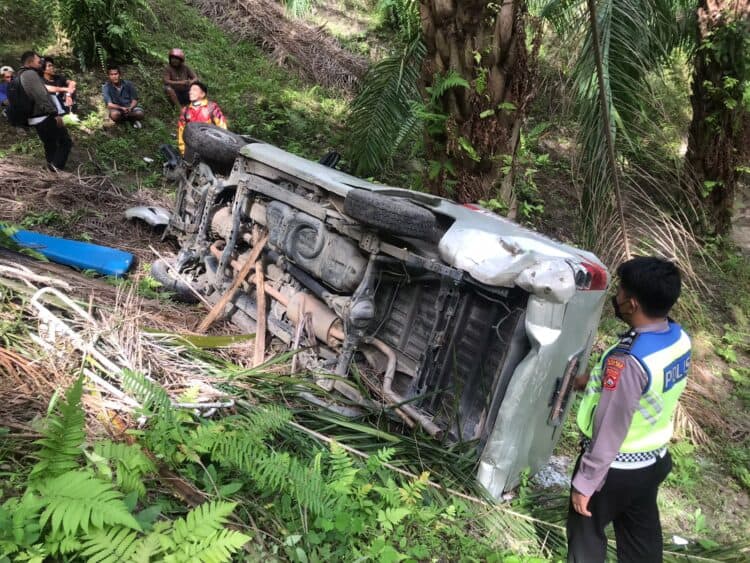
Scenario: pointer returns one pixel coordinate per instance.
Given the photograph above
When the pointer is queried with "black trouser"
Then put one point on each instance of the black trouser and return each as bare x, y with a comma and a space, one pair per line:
57, 143
628, 500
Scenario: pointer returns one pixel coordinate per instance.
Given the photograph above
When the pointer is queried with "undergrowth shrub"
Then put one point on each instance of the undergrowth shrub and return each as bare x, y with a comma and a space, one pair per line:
81, 503
24, 19
104, 31
326, 505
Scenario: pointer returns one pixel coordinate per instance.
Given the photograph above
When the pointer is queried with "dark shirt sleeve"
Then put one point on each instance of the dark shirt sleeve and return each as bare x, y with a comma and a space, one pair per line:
623, 382
35, 89
106, 95
191, 73
133, 92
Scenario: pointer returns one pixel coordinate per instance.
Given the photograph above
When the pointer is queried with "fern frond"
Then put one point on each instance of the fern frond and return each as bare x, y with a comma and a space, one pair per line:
267, 420
271, 471
202, 521
151, 395
215, 548
111, 546
62, 444
148, 548
411, 493
383, 456
343, 472
78, 500
442, 83
390, 493
131, 464
19, 522
61, 544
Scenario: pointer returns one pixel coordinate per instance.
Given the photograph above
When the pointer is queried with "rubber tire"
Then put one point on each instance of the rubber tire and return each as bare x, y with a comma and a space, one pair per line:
390, 214
212, 143
160, 272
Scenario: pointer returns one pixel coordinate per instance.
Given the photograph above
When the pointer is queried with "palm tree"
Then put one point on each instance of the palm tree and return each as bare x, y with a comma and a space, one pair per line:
475, 102
484, 45
719, 136
475, 87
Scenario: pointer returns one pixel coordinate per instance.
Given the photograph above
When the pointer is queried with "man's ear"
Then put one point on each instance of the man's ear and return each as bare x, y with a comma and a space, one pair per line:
634, 305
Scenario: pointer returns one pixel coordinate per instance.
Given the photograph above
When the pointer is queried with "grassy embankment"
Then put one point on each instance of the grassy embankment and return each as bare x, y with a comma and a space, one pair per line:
706, 496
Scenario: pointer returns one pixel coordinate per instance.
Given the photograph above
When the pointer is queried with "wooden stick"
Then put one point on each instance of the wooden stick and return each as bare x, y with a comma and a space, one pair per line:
260, 331
176, 275
247, 267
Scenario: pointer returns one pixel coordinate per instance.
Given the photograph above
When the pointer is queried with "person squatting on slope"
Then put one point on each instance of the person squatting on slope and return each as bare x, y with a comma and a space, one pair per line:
177, 78
626, 417
121, 99
59, 85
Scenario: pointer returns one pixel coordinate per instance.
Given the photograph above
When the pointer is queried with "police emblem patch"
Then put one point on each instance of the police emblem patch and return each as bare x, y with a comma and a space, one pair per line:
612, 370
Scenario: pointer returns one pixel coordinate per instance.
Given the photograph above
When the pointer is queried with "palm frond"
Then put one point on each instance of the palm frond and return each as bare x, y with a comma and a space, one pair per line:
636, 36
382, 119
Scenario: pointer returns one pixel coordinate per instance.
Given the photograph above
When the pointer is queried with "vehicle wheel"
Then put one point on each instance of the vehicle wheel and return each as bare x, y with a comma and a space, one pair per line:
213, 143
390, 214
182, 292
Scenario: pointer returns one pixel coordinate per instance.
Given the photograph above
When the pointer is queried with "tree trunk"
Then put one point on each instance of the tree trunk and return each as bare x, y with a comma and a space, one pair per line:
719, 134
485, 44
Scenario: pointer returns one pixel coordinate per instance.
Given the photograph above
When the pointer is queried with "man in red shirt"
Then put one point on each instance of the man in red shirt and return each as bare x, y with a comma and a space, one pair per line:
199, 110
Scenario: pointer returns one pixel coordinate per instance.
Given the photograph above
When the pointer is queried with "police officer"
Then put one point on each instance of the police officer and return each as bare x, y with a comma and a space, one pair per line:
626, 417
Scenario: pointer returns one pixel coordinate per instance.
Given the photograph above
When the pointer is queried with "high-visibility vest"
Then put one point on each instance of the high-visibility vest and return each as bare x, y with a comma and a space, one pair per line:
665, 358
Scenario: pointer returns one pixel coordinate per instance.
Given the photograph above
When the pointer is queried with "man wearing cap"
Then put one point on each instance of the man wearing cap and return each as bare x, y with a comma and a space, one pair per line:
627, 417
6, 77
177, 78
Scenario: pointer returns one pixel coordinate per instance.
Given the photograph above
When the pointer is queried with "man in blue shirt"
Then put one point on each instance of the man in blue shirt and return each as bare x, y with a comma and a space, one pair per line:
6, 77
121, 99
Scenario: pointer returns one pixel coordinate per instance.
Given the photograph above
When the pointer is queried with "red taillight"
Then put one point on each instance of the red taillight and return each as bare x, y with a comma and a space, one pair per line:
599, 277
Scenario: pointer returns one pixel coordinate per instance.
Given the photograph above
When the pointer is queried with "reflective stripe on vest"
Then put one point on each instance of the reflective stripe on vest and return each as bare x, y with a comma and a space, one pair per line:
665, 358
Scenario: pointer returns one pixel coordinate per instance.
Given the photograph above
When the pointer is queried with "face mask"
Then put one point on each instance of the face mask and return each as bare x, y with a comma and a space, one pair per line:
616, 307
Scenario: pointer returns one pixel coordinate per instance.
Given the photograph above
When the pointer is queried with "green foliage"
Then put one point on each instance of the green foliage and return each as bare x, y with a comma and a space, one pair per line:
79, 501
327, 505
402, 16
382, 119
727, 45
72, 510
686, 471
636, 40
524, 166
62, 444
738, 458
23, 19
6, 240
103, 31
298, 8
128, 461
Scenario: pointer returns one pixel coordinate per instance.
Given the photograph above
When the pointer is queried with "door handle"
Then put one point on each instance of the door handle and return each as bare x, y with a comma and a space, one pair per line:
563, 391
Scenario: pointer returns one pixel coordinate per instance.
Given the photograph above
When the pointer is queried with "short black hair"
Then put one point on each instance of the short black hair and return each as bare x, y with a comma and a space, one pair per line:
47, 60
200, 85
28, 56
113, 66
654, 282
